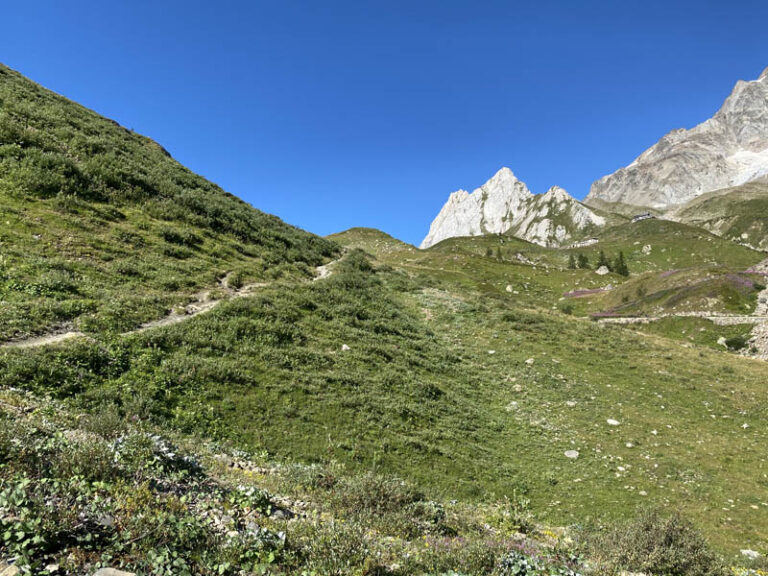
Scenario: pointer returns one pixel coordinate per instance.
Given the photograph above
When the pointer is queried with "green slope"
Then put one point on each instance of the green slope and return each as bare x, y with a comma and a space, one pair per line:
739, 214
463, 374
102, 229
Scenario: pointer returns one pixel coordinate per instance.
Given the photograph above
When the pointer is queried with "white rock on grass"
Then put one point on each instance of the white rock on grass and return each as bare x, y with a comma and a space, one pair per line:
345, 348
530, 361
602, 271
573, 454
751, 554
612, 422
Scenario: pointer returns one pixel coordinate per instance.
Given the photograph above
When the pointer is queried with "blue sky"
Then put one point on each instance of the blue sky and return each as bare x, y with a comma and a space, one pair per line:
334, 114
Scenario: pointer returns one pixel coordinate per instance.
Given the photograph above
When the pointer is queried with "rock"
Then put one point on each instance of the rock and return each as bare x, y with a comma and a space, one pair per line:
647, 249
505, 205
6, 570
602, 271
113, 572
573, 454
509, 288
530, 361
612, 422
751, 554
282, 514
722, 341
345, 348
727, 150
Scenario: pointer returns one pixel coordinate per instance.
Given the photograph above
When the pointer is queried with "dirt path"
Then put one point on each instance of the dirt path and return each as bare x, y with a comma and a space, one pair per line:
202, 303
758, 342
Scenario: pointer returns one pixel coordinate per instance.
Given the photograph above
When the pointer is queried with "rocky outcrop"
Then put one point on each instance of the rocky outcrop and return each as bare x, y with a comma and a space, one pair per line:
729, 149
505, 205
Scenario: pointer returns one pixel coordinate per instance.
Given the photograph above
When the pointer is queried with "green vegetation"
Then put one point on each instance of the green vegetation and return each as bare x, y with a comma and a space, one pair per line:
738, 214
420, 412
103, 230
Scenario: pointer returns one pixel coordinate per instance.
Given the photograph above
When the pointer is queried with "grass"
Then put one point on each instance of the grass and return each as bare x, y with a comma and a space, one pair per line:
737, 214
103, 230
465, 370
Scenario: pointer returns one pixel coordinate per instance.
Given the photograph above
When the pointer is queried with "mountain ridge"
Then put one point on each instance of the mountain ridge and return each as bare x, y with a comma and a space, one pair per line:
728, 149
505, 205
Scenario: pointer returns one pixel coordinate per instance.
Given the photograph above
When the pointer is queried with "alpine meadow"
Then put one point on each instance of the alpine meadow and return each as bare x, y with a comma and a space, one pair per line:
545, 386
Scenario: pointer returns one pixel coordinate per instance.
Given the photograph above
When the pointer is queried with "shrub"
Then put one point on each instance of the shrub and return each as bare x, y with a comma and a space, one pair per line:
656, 544
372, 493
515, 515
736, 342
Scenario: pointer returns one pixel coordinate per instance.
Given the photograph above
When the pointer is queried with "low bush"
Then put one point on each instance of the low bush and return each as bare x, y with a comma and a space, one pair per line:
656, 544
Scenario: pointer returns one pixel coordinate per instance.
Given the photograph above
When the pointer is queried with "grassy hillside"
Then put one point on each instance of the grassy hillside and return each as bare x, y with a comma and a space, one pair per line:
739, 214
463, 370
103, 230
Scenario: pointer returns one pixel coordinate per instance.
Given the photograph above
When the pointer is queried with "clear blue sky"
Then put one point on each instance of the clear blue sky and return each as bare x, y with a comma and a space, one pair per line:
334, 114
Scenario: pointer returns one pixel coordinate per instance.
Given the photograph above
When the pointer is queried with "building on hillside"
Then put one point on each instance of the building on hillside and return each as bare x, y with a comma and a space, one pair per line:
641, 217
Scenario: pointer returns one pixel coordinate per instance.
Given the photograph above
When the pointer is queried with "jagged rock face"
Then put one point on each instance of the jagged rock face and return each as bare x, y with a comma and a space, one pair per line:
729, 149
504, 204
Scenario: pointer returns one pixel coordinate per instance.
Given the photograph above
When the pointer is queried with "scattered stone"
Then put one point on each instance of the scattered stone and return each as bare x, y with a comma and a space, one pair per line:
570, 403
6, 570
643, 493
282, 514
751, 554
602, 271
345, 348
612, 422
491, 351
721, 341
573, 454
530, 361
509, 288
112, 572
647, 249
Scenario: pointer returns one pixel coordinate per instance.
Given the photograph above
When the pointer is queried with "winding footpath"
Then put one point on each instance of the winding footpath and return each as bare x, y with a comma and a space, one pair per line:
758, 341
202, 303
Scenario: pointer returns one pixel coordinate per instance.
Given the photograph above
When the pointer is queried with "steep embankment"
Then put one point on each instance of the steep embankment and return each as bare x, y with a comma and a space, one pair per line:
104, 231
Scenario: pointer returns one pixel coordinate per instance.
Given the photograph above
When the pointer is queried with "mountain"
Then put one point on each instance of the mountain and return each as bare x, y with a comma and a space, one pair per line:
504, 205
239, 396
729, 149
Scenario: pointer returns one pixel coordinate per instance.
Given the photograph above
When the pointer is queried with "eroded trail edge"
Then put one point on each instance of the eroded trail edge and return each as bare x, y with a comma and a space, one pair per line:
202, 302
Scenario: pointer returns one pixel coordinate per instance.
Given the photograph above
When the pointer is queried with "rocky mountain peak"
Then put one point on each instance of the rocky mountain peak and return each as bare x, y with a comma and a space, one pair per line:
729, 149
505, 205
